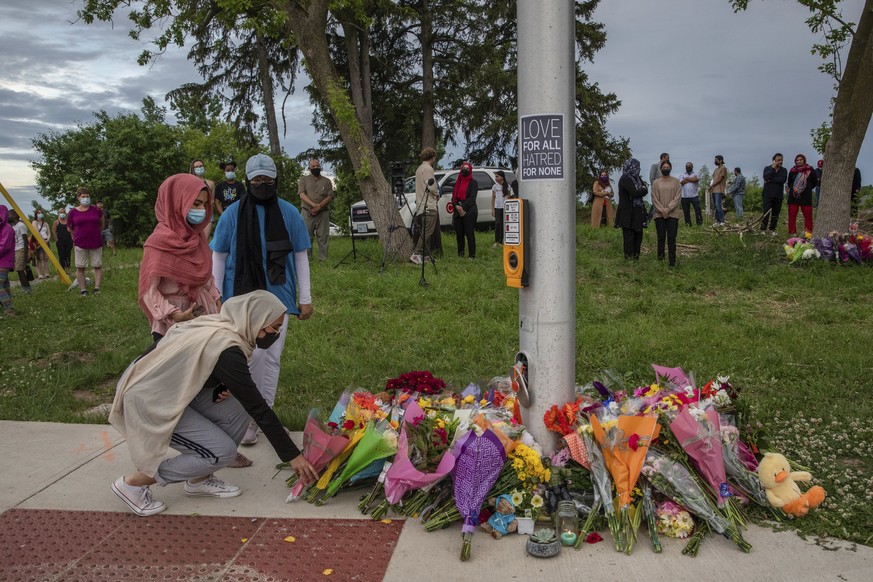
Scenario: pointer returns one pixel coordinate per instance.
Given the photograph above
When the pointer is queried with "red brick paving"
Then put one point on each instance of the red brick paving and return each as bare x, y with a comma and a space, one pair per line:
41, 545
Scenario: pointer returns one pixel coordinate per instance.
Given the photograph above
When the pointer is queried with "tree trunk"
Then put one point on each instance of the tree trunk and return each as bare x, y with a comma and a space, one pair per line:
852, 111
309, 26
357, 52
428, 125
269, 105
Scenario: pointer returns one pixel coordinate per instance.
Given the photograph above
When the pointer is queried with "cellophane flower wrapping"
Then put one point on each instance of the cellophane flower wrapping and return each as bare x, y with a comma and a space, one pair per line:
748, 482
403, 475
320, 446
675, 481
699, 433
379, 441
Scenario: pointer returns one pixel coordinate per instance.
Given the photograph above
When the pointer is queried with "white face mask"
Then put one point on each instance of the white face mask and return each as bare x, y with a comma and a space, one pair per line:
200, 171
85, 201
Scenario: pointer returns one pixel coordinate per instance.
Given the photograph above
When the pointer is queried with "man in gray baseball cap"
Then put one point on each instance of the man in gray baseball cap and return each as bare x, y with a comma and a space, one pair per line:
240, 264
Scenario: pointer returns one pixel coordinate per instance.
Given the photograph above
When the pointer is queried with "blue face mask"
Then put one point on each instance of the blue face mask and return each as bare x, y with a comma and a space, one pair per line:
196, 216
200, 171
230, 175
85, 201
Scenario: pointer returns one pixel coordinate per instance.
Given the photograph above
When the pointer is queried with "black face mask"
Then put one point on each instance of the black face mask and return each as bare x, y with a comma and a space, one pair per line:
315, 171
267, 341
263, 192
665, 171
465, 172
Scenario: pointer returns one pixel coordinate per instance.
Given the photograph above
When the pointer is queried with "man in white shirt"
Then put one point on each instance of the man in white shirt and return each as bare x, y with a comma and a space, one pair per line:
690, 197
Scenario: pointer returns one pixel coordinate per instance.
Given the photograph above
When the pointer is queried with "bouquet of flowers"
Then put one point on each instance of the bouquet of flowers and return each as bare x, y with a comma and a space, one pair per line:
602, 489
378, 441
423, 455
675, 481
479, 463
320, 446
624, 442
745, 480
422, 382
673, 521
699, 433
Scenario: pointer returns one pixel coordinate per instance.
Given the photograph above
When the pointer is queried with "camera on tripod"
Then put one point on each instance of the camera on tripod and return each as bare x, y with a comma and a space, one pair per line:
397, 171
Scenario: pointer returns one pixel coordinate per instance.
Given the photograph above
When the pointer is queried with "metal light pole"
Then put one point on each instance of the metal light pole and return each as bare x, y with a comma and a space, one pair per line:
547, 168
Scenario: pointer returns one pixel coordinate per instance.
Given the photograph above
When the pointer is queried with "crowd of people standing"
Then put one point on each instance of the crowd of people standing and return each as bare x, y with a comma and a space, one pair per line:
800, 187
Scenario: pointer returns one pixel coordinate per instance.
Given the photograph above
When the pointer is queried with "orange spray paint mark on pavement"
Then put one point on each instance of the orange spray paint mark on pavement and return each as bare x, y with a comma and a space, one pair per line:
107, 445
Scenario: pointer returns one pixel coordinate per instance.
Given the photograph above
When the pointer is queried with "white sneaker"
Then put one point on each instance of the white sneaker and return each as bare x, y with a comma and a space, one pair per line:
138, 499
415, 259
211, 487
251, 436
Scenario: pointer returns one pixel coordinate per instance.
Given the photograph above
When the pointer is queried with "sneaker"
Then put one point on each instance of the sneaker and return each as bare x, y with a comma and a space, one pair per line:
774, 233
138, 499
415, 259
211, 487
96, 290
83, 292
27, 290
251, 436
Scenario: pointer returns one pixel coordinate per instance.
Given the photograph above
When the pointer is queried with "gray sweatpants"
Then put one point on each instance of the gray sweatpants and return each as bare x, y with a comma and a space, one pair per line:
207, 437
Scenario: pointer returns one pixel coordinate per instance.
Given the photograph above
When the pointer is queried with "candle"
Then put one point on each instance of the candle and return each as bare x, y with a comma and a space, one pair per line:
568, 538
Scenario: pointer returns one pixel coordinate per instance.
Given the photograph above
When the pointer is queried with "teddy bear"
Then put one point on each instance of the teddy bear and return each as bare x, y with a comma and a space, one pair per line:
780, 484
503, 520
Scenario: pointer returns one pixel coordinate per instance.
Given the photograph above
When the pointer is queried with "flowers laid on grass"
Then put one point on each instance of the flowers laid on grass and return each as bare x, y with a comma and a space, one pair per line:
853, 247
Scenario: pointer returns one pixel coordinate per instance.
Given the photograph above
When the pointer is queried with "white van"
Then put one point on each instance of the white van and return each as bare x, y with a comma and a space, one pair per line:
361, 223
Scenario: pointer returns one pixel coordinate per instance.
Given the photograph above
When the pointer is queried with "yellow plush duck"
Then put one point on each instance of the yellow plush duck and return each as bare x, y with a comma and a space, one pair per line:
780, 484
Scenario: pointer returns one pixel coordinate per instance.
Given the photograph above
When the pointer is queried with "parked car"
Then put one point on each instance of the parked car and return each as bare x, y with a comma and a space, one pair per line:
362, 224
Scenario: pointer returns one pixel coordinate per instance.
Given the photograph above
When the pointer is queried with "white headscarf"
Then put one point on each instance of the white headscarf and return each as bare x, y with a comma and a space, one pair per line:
155, 389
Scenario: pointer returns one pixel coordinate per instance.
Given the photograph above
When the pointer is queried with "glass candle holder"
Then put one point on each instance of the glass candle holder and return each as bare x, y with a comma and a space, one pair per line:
567, 522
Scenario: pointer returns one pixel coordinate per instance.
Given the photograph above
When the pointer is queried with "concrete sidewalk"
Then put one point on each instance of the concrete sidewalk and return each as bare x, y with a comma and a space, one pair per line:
69, 468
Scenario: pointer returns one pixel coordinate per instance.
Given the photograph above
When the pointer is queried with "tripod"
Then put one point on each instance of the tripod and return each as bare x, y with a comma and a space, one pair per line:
353, 253
390, 250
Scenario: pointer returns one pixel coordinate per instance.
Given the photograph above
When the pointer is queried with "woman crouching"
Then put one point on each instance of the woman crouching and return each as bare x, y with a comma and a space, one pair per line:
192, 392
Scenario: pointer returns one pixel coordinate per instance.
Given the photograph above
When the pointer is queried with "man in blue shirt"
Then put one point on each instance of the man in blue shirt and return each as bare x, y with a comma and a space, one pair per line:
737, 191
261, 243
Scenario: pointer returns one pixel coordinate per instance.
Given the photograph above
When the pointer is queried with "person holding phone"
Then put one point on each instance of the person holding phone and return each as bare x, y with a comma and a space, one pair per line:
175, 278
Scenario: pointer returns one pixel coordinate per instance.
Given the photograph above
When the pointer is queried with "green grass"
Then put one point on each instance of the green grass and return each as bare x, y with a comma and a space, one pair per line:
797, 339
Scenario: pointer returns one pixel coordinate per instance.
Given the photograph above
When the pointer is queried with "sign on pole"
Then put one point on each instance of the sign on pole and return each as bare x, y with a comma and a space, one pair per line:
542, 147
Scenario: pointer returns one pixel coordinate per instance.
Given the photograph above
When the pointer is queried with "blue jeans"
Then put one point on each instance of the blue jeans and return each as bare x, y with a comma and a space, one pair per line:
738, 205
717, 198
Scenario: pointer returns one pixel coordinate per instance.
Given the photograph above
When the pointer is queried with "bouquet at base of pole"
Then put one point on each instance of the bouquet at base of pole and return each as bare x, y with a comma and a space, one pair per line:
624, 443
479, 462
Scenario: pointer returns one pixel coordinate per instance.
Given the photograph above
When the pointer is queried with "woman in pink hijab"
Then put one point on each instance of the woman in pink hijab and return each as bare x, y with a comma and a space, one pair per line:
175, 278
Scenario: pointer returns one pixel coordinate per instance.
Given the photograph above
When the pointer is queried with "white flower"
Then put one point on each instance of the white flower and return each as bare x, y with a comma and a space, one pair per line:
528, 441
689, 392
517, 498
722, 398
697, 413
614, 407
723, 379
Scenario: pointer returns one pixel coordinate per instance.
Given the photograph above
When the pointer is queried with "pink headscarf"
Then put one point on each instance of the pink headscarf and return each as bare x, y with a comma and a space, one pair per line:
177, 249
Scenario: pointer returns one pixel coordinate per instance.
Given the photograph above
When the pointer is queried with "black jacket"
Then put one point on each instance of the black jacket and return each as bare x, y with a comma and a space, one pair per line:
774, 182
628, 214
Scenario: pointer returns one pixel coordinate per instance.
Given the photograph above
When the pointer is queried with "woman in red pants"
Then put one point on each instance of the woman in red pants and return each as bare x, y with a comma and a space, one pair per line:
801, 185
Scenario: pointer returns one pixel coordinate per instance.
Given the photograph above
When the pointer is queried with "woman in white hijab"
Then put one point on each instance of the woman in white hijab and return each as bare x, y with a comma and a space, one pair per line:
178, 395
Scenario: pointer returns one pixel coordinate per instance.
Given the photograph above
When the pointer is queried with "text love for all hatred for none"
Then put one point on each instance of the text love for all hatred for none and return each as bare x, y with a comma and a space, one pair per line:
542, 147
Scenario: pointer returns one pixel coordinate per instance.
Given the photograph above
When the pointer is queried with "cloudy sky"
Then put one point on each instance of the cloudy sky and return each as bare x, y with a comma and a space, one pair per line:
694, 79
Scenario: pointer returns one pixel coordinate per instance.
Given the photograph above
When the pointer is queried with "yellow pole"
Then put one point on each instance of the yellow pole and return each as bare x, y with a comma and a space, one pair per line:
48, 251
